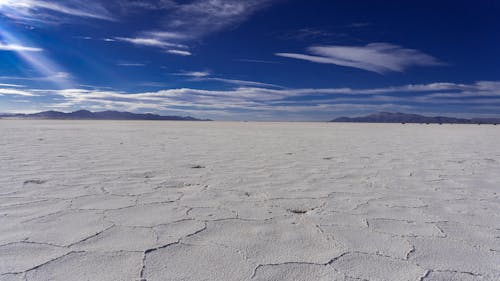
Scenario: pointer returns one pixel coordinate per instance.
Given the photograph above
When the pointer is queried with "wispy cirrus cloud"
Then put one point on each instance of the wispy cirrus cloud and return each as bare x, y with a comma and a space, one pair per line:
53, 76
240, 82
159, 40
202, 17
166, 35
258, 61
18, 48
179, 23
196, 74
207, 76
11, 85
149, 41
44, 10
185, 22
133, 5
16, 92
179, 52
376, 57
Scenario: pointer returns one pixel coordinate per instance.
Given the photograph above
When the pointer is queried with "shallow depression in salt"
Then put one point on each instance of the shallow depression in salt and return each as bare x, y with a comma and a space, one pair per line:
132, 200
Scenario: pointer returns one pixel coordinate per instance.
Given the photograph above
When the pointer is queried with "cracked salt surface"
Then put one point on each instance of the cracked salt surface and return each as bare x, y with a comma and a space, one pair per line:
273, 201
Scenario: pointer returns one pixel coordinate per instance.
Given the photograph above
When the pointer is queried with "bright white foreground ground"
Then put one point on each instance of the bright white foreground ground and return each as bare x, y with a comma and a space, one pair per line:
248, 201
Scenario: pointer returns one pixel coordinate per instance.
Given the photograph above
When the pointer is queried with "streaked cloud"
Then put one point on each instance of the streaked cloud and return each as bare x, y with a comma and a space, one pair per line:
132, 5
185, 22
240, 82
202, 17
179, 52
18, 48
165, 35
52, 77
258, 61
16, 92
149, 41
197, 74
376, 57
207, 76
43, 10
11, 85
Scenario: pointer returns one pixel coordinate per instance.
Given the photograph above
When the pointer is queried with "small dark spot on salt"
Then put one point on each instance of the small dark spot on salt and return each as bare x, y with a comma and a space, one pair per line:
35, 181
297, 211
197, 167
247, 193
327, 158
40, 139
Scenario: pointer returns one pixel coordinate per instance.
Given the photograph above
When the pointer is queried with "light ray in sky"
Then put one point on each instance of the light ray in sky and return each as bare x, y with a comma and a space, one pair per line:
39, 60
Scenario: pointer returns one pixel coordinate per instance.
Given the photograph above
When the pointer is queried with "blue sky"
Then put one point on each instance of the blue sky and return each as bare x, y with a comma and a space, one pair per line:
251, 60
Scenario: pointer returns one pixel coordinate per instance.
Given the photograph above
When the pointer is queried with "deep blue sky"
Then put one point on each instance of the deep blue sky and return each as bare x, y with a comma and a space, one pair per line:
251, 60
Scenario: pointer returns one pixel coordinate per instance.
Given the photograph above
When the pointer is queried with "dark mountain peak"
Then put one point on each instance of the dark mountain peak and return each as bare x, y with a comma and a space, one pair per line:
399, 117
102, 115
82, 111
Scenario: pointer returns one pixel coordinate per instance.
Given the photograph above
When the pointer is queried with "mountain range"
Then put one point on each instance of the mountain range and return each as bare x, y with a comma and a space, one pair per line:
398, 117
102, 115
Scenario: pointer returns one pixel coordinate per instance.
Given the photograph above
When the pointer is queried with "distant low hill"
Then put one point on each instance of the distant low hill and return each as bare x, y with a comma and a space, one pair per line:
398, 117
102, 115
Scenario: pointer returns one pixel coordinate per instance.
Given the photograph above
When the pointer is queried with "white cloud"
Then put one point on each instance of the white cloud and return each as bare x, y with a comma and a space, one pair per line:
197, 74
201, 17
206, 76
258, 61
241, 82
18, 48
179, 52
375, 57
37, 10
16, 92
194, 20
165, 35
11, 85
276, 102
52, 77
150, 42
133, 5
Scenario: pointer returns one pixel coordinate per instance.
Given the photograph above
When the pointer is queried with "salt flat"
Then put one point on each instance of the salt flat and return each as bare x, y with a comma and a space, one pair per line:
104, 200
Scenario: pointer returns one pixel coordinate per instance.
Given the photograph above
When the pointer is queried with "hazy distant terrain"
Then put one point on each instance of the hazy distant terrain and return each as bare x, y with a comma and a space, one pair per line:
140, 200
398, 117
100, 115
